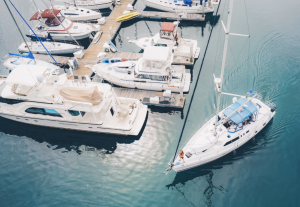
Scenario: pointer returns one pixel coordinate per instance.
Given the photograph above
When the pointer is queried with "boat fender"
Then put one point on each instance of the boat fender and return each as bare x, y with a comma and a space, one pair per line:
273, 109
234, 153
253, 140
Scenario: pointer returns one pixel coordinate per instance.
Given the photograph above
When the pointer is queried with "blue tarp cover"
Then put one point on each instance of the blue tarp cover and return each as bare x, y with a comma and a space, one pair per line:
29, 55
188, 2
237, 118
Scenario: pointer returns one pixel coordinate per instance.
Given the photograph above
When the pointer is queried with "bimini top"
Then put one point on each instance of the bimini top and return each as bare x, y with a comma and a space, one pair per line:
26, 75
240, 116
45, 14
89, 95
156, 53
168, 27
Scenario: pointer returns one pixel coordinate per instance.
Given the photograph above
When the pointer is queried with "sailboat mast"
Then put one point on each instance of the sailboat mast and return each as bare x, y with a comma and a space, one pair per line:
17, 25
223, 63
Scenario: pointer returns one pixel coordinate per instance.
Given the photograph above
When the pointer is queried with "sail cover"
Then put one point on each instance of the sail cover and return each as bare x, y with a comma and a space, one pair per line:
240, 116
90, 95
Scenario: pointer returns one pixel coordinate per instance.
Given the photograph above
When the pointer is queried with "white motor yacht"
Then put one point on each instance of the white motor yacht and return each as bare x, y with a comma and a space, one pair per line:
14, 60
54, 23
169, 36
151, 72
55, 48
78, 13
230, 128
34, 95
89, 4
185, 6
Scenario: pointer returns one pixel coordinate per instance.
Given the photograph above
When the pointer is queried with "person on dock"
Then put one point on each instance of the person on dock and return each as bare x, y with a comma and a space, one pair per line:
181, 155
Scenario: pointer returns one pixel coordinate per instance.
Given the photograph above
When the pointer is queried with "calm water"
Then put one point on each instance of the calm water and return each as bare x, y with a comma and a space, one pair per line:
50, 167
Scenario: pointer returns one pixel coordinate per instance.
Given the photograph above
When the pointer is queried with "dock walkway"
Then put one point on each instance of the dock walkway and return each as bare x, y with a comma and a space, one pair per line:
109, 29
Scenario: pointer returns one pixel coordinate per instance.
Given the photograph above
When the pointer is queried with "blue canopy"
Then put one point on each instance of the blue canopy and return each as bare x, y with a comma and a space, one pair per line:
239, 117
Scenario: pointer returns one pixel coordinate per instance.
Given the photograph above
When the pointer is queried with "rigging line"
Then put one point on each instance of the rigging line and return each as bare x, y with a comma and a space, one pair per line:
187, 113
33, 32
16, 24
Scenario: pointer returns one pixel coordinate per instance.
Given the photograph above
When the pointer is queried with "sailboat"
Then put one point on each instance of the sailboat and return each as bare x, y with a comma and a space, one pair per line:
55, 48
78, 13
89, 4
186, 6
230, 128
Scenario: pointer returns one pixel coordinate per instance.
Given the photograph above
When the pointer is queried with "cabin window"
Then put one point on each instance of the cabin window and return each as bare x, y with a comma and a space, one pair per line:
82, 113
161, 45
231, 141
184, 5
112, 111
70, 14
75, 27
49, 112
156, 77
52, 22
73, 113
143, 76
81, 10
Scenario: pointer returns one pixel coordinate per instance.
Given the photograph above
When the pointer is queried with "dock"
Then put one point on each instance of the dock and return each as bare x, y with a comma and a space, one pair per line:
171, 16
110, 29
47, 58
175, 101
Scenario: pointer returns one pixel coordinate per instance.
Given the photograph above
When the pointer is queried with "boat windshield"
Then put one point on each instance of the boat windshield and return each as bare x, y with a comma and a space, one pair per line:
52, 22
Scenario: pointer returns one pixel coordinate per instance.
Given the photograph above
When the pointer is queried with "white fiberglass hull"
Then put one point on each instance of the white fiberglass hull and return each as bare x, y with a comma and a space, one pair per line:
100, 5
54, 48
79, 126
218, 149
12, 63
78, 13
171, 7
151, 86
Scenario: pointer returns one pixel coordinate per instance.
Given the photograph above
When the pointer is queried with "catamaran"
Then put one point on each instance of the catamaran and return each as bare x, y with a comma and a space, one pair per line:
229, 128
182, 6
151, 72
51, 21
169, 36
35, 95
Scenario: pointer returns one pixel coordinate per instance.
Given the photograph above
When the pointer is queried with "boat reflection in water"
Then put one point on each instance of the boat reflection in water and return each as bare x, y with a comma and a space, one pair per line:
69, 140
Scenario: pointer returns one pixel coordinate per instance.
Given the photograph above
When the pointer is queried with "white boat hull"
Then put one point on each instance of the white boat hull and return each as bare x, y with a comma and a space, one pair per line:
79, 126
151, 86
208, 156
53, 47
161, 5
96, 6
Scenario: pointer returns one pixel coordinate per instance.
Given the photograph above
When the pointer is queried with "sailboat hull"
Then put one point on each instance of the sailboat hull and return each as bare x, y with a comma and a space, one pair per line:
171, 7
218, 150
